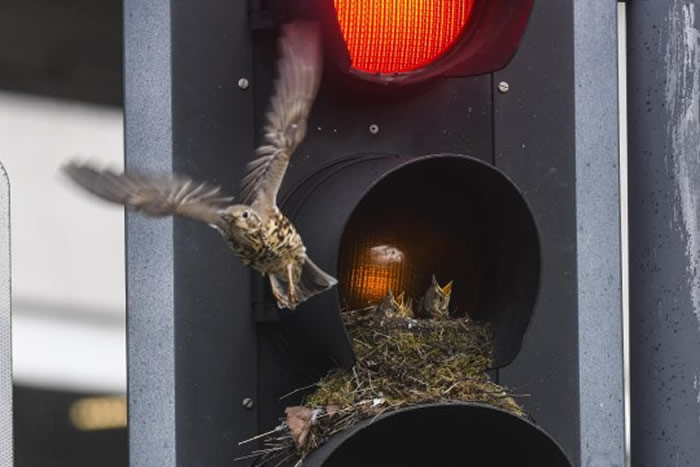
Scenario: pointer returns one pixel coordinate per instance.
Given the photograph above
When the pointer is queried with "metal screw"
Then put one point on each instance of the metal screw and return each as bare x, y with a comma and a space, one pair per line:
248, 403
374, 128
503, 87
243, 83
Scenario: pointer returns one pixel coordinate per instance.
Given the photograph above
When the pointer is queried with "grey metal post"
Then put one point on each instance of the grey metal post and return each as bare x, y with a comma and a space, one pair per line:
150, 257
6, 447
664, 213
191, 337
598, 234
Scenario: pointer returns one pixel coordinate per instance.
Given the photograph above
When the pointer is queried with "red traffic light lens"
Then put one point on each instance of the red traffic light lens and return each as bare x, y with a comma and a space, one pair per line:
394, 36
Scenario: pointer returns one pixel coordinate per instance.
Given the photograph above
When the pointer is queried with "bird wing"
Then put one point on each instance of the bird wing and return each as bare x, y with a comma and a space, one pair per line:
295, 90
155, 196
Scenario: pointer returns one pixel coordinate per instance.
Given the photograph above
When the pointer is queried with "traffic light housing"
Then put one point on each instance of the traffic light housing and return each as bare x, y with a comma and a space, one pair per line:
429, 168
484, 162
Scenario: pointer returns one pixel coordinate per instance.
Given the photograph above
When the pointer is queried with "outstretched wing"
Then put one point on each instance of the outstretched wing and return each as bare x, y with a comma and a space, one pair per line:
295, 90
155, 196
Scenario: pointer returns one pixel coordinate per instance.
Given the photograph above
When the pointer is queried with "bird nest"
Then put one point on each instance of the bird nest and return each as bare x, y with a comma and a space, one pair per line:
401, 362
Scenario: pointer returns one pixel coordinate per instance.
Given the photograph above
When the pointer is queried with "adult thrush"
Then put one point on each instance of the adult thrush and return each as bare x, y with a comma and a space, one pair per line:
256, 230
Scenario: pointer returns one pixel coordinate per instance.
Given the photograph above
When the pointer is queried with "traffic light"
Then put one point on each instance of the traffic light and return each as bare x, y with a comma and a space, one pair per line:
447, 138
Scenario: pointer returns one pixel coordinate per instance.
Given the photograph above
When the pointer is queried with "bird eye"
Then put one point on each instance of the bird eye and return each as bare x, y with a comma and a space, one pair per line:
245, 214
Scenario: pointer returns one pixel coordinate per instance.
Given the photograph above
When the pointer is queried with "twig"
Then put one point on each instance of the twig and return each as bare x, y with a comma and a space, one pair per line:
298, 389
262, 435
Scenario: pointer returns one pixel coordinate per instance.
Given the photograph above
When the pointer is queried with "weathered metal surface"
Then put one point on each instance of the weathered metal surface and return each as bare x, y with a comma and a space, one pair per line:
664, 213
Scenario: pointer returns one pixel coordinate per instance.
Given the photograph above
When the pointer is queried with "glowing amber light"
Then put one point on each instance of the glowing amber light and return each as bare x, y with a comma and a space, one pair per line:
377, 269
390, 36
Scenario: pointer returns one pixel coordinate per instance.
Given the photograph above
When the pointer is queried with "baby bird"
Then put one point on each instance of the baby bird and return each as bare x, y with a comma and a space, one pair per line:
388, 305
259, 234
436, 301
405, 306
396, 307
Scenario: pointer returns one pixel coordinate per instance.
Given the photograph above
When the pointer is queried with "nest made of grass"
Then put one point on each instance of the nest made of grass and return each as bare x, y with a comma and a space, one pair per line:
400, 362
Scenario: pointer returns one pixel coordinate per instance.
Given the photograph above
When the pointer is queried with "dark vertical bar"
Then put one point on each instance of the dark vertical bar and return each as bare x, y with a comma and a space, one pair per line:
213, 139
6, 445
535, 145
149, 242
192, 349
664, 215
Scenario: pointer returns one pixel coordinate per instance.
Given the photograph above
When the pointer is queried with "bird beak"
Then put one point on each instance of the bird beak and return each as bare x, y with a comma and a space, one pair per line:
447, 290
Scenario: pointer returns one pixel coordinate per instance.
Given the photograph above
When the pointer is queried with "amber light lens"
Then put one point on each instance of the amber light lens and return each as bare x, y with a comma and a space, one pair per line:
393, 36
379, 265
405, 230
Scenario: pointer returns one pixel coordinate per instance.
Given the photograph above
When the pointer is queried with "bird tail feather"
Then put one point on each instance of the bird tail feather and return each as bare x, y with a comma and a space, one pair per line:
313, 281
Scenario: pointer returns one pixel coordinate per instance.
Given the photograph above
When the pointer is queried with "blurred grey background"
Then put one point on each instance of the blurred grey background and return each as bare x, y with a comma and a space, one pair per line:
61, 98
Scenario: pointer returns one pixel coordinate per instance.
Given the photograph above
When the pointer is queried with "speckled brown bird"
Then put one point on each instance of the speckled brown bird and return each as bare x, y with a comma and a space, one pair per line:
256, 230
435, 302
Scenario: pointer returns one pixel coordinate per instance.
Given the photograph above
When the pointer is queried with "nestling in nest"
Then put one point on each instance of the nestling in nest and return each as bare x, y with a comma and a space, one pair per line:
401, 361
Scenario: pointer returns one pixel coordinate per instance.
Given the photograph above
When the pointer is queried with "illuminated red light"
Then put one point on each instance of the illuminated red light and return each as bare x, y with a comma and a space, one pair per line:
392, 36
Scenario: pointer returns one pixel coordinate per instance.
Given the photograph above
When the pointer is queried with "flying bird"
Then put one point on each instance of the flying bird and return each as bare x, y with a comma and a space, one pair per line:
257, 231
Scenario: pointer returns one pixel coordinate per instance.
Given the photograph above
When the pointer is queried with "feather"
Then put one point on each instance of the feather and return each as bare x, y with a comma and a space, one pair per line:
155, 196
299, 70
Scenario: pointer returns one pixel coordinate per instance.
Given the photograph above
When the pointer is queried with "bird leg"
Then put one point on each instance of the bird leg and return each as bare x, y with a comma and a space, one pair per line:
277, 293
292, 289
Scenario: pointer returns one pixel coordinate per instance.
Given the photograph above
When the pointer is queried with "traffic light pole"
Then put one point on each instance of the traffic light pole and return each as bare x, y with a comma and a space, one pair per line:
598, 234
664, 214
191, 338
150, 301
6, 445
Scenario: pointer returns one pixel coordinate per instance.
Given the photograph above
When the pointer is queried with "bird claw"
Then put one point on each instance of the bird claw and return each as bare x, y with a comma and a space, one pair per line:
281, 300
293, 295
292, 289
